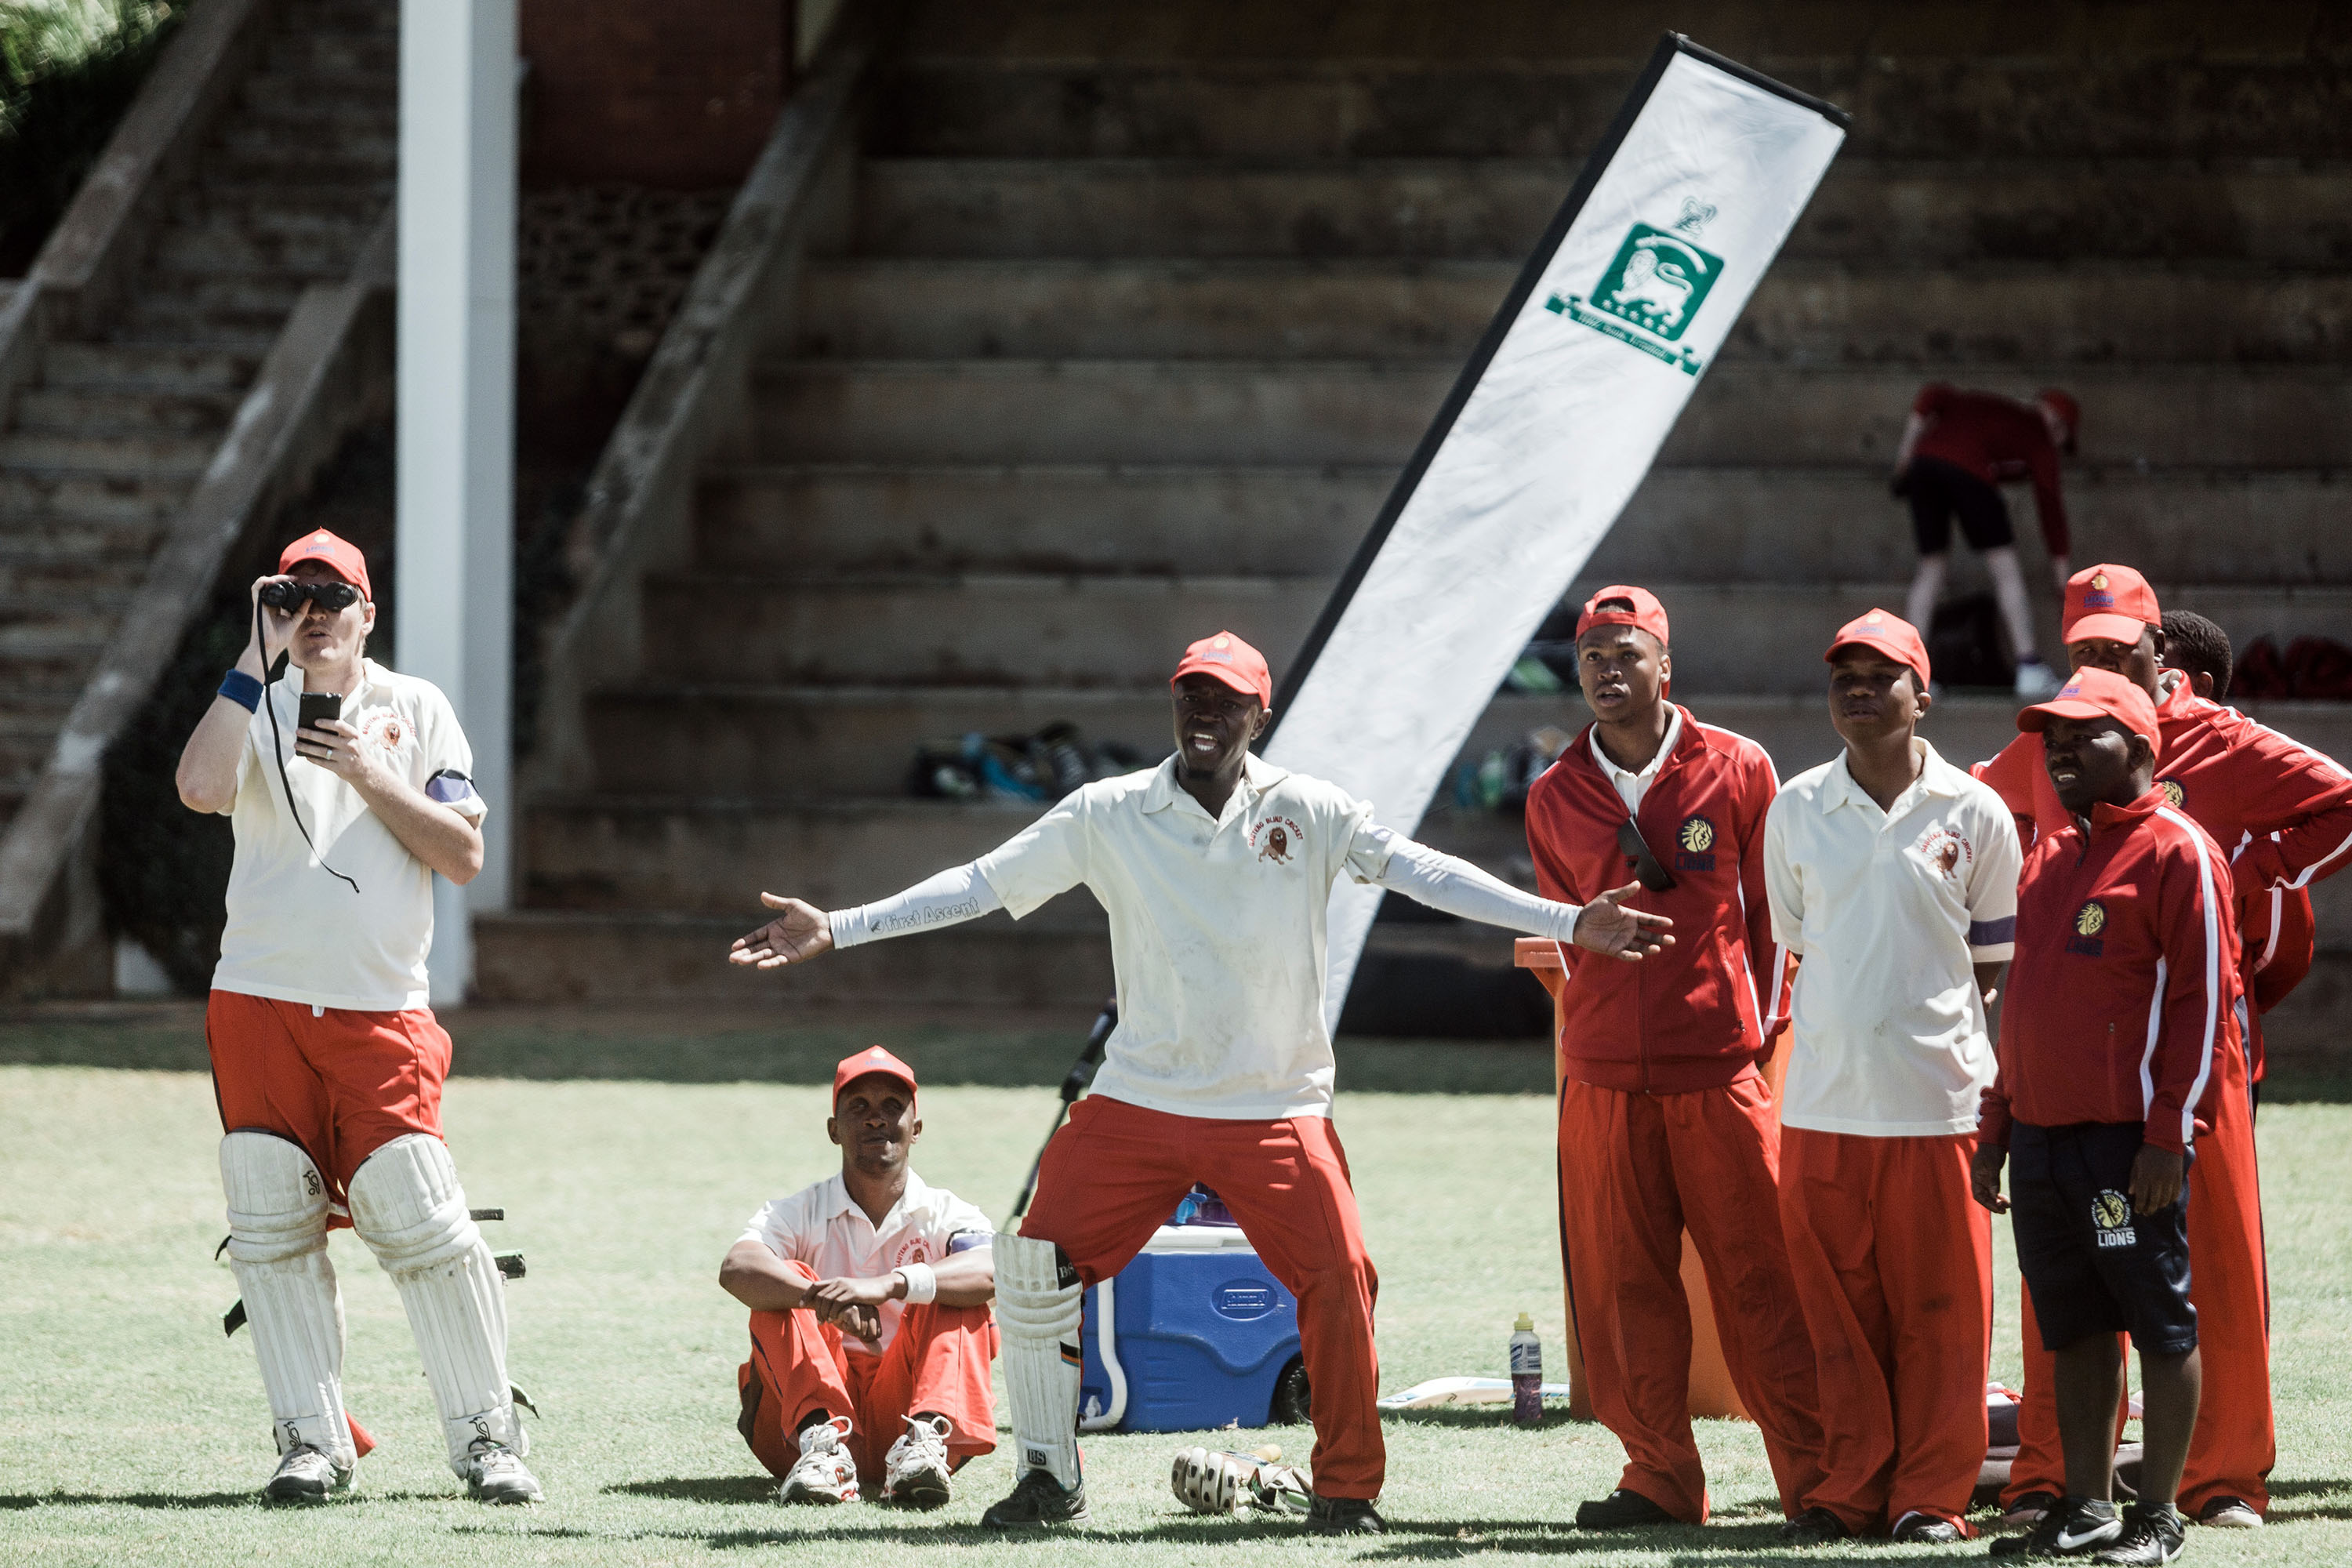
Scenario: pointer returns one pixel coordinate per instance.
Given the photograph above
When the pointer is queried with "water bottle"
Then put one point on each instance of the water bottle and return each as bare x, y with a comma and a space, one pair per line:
1526, 1373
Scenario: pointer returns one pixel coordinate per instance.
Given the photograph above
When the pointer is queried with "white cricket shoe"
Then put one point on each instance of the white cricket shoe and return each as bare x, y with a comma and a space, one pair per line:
825, 1472
306, 1475
496, 1473
916, 1468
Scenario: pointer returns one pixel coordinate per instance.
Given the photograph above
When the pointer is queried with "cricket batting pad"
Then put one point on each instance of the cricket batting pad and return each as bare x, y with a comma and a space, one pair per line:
407, 1207
278, 1247
1038, 1307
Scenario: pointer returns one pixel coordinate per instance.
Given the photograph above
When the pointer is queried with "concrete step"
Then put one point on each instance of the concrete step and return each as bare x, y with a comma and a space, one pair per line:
46, 566
34, 541
373, 141
365, 19
184, 284
69, 500
1775, 524
1244, 411
303, 167
2002, 104
1919, 213
130, 457
297, 53
265, 207
954, 631
77, 412
323, 94
142, 367
1804, 311
224, 244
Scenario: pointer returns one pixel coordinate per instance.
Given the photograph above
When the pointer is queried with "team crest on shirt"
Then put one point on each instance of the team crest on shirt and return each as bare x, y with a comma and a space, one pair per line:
2089, 921
2173, 793
384, 729
1695, 845
1278, 839
2111, 1219
1947, 850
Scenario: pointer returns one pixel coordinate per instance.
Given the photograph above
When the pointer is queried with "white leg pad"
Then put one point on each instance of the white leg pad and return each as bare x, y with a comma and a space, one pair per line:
407, 1207
277, 1247
1038, 1307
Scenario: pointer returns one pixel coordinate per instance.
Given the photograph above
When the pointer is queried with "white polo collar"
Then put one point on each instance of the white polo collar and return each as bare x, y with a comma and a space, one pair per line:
1937, 777
1258, 775
1612, 773
835, 1202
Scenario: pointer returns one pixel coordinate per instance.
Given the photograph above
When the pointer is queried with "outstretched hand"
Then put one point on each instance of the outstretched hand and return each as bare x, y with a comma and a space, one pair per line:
799, 935
1607, 927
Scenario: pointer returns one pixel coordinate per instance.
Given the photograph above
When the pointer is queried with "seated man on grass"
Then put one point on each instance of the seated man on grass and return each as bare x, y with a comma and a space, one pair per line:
870, 1330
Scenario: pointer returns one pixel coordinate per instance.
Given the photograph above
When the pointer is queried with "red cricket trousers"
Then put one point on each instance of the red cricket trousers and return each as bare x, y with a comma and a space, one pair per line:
938, 1361
1116, 1172
1893, 1261
340, 1083
2235, 1444
1635, 1171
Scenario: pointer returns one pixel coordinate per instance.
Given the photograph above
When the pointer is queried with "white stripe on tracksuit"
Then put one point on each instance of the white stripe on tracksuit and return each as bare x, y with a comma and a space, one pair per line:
2208, 906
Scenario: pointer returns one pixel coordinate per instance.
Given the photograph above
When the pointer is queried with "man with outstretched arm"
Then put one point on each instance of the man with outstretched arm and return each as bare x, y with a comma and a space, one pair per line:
2282, 813
870, 1333
327, 1062
1215, 870
1893, 876
2123, 1001
1666, 1123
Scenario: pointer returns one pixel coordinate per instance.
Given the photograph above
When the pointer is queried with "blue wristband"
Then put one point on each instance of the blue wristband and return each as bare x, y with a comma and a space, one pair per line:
242, 689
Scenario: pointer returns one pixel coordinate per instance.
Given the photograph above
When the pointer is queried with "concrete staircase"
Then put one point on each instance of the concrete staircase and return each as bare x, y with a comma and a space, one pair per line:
112, 437
1143, 306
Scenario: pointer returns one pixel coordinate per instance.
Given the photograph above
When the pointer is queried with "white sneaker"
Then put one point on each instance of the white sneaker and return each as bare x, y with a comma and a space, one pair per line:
2036, 681
824, 1472
496, 1473
306, 1475
2229, 1513
916, 1468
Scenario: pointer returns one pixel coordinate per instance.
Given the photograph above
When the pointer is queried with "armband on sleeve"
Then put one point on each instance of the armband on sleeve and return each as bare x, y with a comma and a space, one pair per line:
922, 1284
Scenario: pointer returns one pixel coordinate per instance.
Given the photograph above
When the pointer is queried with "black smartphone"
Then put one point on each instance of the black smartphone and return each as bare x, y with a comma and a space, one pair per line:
318, 706
1644, 865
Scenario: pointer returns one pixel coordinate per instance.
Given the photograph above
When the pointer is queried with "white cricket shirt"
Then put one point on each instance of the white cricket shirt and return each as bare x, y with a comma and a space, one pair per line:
1216, 930
823, 1227
299, 934
1889, 910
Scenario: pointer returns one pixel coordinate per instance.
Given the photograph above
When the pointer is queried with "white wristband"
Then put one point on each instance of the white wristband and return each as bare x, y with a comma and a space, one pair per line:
922, 1285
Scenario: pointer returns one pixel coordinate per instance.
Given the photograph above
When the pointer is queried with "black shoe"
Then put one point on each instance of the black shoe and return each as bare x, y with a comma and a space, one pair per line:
1815, 1527
2151, 1536
1621, 1510
1344, 1516
1926, 1529
1037, 1499
2229, 1513
2029, 1509
2073, 1527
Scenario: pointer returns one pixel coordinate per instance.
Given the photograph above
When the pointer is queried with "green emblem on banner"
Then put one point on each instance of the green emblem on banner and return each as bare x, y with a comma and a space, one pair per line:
1652, 288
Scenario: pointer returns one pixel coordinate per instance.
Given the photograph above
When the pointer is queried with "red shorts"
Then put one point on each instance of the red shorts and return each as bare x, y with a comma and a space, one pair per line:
340, 1083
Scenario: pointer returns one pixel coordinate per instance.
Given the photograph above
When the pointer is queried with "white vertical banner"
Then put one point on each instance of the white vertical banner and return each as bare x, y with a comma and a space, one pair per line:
1626, 302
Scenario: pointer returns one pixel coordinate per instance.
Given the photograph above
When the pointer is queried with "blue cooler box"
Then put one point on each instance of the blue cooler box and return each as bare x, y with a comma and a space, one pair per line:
1193, 1334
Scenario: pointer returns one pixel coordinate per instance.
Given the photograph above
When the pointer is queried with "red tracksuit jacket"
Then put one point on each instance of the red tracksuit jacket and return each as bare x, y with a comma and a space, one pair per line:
1692, 1016
1995, 439
2123, 992
2280, 810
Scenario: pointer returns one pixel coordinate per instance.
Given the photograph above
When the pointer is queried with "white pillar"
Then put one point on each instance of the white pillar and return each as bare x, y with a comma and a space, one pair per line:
455, 410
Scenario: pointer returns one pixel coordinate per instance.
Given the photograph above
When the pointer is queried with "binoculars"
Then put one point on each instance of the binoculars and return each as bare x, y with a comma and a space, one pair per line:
288, 596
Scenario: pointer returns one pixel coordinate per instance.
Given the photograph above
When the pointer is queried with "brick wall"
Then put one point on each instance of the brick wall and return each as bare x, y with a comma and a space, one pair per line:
651, 92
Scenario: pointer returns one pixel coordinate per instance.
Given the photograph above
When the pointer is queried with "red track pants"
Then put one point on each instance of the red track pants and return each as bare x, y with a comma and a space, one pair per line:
1635, 1171
1893, 1262
2235, 1444
1117, 1172
936, 1362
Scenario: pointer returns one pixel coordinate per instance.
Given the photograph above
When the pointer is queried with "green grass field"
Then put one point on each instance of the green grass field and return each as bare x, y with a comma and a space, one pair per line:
131, 1430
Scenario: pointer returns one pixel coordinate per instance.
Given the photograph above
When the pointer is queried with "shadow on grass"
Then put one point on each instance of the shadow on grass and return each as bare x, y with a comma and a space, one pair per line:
1479, 1417
703, 1489
2340, 1490
128, 1500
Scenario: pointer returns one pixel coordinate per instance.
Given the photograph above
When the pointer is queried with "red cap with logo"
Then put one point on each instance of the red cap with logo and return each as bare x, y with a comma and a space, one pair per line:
1231, 660
2109, 603
872, 1060
2093, 693
341, 554
1646, 615
1890, 634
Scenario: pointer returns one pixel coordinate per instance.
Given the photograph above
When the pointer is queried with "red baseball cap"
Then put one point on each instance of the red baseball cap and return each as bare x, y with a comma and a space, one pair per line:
1231, 660
2112, 604
1648, 615
2094, 693
341, 554
1890, 634
872, 1060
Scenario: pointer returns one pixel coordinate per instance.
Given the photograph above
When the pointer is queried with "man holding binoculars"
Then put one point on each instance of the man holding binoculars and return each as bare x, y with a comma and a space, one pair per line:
348, 787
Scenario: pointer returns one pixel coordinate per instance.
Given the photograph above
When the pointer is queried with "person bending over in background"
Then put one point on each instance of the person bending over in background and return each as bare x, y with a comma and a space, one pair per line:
1665, 1122
2123, 1000
869, 1296
1215, 868
327, 1062
1893, 874
1956, 449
